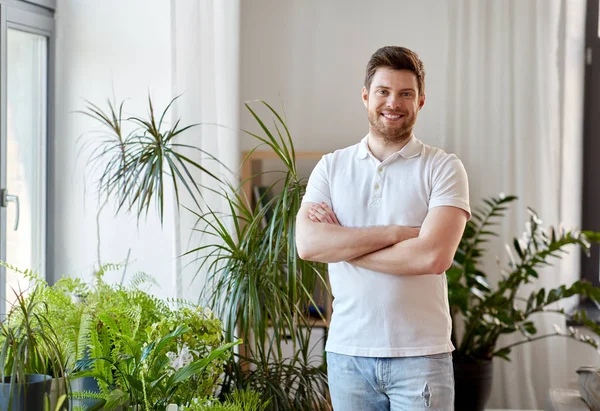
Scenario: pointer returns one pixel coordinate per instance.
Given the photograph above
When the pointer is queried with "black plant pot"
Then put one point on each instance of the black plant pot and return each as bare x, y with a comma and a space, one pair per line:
25, 396
472, 384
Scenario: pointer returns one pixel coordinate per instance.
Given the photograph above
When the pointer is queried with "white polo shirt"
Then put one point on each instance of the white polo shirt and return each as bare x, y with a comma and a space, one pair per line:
377, 314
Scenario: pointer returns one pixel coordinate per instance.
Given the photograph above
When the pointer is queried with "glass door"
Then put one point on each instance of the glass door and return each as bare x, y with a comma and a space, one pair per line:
24, 131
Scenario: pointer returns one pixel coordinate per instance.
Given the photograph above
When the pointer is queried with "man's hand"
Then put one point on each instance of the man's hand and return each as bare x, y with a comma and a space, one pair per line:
432, 252
321, 213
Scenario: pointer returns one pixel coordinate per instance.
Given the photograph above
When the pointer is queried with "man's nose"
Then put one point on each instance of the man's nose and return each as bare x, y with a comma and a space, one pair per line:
393, 101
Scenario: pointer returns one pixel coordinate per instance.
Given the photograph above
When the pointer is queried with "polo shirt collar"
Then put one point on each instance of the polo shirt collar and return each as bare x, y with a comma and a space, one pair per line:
410, 150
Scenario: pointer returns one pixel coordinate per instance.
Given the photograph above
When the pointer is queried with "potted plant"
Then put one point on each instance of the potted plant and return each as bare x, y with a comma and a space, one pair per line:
483, 312
257, 281
146, 378
140, 351
31, 357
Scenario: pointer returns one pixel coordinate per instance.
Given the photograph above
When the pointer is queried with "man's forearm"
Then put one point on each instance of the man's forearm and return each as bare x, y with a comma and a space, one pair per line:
329, 243
411, 257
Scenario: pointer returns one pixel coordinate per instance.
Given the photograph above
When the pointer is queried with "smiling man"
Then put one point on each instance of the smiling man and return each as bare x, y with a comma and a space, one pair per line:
387, 214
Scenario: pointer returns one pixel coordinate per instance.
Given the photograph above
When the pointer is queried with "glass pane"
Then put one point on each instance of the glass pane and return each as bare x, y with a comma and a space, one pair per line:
26, 155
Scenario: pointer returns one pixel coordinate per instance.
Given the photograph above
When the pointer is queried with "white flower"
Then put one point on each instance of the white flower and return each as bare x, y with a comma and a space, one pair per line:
182, 358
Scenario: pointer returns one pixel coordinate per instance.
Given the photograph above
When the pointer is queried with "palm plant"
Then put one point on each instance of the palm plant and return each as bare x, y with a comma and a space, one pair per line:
255, 278
487, 311
257, 281
138, 164
30, 351
289, 383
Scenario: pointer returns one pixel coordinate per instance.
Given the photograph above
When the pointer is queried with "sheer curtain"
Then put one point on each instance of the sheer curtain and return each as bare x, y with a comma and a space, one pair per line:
513, 117
205, 72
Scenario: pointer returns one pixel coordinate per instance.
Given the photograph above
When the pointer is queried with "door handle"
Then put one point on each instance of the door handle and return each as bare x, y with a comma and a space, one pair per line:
7, 198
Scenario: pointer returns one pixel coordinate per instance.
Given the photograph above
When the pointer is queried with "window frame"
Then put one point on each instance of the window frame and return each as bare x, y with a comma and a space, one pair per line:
590, 266
37, 19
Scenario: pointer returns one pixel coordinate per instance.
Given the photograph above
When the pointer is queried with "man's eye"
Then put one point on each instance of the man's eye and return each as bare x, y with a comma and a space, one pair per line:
382, 92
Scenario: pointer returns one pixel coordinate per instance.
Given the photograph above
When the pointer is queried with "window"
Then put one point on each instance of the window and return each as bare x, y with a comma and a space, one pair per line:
591, 141
25, 131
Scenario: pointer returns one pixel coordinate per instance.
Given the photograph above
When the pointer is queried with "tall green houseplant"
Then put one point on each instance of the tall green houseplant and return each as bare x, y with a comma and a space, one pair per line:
491, 311
482, 312
256, 279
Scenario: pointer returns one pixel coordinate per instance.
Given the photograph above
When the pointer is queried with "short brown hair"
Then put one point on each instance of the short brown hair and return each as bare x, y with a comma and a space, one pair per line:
396, 58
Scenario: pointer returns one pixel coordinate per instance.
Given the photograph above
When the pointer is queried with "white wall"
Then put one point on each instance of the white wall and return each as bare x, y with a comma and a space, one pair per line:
307, 55
120, 46
310, 56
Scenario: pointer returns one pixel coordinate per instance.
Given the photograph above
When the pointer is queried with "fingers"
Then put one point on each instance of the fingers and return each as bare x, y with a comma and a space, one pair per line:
315, 213
331, 214
322, 213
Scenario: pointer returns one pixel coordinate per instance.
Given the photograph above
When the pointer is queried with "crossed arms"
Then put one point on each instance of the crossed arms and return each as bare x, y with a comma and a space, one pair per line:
390, 249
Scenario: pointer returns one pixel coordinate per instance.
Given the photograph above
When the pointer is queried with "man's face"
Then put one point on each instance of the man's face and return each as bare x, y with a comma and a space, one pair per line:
392, 103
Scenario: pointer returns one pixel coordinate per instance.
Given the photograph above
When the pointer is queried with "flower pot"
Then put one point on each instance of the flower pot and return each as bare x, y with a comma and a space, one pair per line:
472, 384
58, 388
589, 386
25, 396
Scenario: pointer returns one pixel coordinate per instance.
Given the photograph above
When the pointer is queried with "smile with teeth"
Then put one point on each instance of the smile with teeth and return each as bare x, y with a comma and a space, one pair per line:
390, 116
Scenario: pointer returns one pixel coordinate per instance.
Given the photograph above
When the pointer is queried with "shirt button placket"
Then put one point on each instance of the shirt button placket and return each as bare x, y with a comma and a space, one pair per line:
377, 187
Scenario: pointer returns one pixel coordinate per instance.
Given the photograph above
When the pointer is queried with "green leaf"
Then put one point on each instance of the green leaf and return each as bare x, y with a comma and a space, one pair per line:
116, 398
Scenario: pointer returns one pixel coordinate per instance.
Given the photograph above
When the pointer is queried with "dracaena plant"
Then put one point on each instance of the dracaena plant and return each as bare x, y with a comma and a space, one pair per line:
256, 280
29, 345
140, 156
489, 311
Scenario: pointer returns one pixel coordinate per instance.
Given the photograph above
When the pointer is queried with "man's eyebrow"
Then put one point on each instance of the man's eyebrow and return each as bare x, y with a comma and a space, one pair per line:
389, 88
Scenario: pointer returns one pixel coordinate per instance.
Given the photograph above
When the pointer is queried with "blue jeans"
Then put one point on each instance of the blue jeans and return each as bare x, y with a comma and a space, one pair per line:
391, 384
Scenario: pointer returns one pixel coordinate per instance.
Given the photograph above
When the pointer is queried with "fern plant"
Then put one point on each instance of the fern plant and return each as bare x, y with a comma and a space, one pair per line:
145, 377
487, 311
256, 279
237, 401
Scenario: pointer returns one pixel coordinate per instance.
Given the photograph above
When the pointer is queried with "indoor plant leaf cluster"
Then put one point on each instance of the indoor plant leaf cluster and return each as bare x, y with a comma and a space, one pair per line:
488, 311
257, 282
143, 352
32, 359
145, 376
139, 156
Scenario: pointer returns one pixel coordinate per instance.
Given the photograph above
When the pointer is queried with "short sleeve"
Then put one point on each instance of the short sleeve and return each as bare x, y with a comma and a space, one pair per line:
317, 189
450, 185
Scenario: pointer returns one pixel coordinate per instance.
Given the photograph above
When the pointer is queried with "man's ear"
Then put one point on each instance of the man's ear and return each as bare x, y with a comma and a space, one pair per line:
421, 101
365, 96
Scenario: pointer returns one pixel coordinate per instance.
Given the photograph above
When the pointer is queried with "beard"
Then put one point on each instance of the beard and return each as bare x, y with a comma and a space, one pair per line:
389, 133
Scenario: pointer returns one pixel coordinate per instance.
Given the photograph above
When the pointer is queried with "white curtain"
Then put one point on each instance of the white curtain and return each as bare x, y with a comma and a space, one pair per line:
205, 71
514, 118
